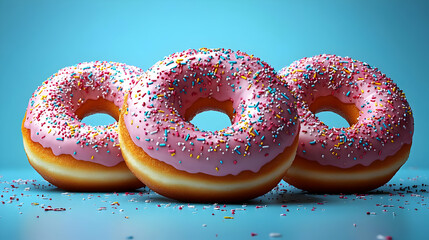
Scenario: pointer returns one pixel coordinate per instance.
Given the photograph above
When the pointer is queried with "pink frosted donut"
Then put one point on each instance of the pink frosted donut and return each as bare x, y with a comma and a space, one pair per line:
67, 152
363, 156
174, 158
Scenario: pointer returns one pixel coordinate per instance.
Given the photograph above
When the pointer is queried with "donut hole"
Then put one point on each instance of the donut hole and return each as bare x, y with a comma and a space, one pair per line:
211, 121
98, 112
332, 119
334, 113
210, 114
98, 119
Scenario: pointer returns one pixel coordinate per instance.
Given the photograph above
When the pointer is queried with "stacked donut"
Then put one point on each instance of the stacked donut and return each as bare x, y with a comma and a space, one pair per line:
274, 133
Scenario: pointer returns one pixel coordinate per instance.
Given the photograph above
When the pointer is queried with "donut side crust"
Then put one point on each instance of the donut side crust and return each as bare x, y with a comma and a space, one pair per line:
313, 177
70, 174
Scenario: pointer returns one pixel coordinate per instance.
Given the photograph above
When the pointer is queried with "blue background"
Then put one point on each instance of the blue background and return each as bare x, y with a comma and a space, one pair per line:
40, 37
37, 38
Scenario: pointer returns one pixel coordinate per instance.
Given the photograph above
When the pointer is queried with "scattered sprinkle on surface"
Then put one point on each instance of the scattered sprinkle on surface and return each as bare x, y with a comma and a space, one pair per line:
28, 200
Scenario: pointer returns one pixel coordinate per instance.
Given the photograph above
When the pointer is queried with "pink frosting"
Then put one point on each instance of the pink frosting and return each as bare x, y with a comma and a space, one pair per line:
265, 121
385, 122
51, 110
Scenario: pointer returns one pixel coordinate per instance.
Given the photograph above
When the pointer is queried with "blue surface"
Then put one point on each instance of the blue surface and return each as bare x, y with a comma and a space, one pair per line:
399, 210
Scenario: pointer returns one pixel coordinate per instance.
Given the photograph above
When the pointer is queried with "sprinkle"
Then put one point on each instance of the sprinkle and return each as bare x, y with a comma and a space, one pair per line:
275, 235
284, 95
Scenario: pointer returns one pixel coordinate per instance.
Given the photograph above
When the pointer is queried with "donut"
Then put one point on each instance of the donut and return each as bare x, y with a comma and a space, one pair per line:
66, 152
176, 159
358, 158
